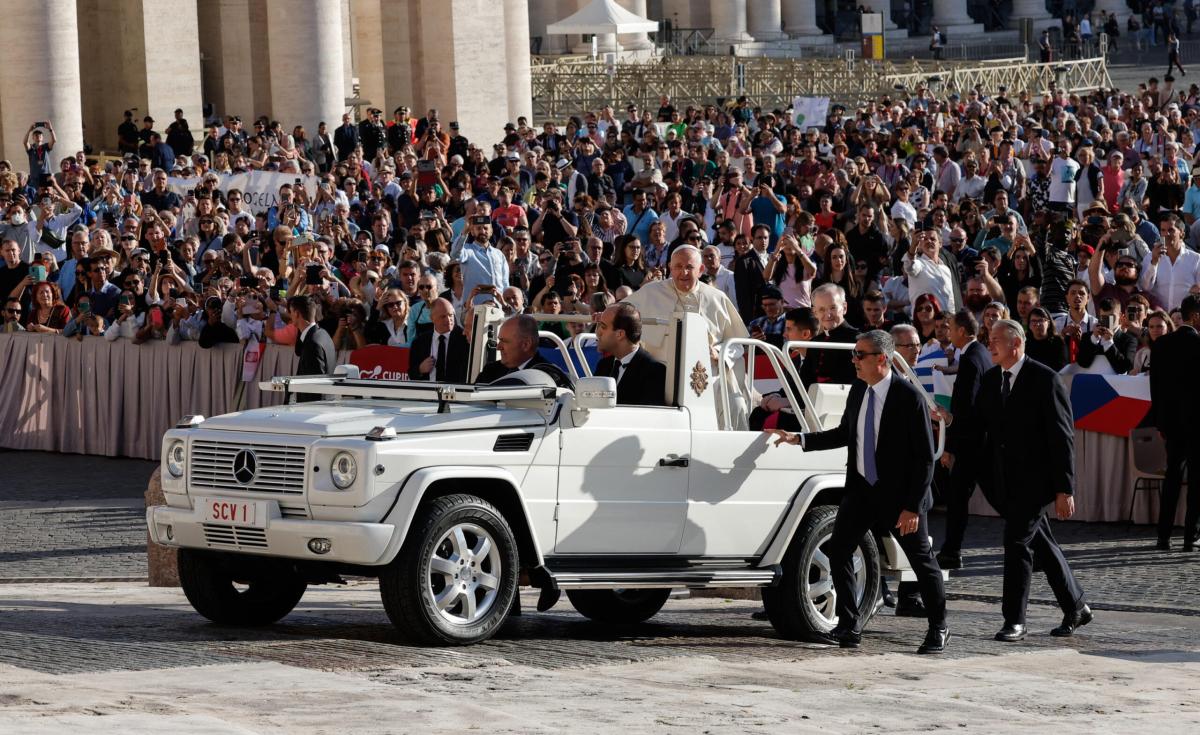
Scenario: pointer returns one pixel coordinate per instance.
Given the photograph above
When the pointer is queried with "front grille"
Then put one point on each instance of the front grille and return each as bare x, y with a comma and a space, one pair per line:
278, 469
237, 537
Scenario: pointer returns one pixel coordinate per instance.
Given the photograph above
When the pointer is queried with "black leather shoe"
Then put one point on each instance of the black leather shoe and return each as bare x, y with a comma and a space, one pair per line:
911, 609
548, 599
949, 560
935, 641
760, 615
848, 638
832, 638
1011, 633
1163, 545
1073, 622
889, 598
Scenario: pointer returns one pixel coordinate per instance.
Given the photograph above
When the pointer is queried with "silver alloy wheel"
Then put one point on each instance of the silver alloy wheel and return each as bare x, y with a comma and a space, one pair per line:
818, 583
464, 574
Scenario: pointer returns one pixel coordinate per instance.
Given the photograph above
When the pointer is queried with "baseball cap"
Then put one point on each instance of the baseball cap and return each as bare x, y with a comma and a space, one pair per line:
771, 292
454, 124
148, 119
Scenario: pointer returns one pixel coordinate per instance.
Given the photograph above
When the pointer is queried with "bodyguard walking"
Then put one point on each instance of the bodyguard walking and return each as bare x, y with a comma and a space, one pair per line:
1027, 464
889, 467
1175, 401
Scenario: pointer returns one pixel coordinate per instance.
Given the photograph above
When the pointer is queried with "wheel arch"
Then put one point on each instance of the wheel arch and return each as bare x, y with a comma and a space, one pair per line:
825, 489
496, 485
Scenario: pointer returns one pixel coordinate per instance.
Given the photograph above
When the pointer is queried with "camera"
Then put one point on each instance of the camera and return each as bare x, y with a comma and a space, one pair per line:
248, 281
312, 275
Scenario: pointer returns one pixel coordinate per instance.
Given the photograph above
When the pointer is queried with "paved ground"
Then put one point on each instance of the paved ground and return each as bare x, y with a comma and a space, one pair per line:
120, 657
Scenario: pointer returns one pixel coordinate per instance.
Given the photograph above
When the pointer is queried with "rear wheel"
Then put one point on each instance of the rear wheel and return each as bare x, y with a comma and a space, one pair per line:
223, 595
454, 580
622, 606
805, 602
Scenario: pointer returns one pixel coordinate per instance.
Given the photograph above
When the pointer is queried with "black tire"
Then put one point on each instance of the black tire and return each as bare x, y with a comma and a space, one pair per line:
410, 586
209, 585
789, 605
619, 607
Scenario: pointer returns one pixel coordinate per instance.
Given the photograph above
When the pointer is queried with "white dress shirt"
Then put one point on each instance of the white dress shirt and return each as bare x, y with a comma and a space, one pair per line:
1170, 281
881, 390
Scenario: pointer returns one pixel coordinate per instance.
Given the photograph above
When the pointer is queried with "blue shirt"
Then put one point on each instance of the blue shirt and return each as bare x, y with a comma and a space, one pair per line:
764, 213
483, 265
273, 219
1191, 201
642, 228
1148, 232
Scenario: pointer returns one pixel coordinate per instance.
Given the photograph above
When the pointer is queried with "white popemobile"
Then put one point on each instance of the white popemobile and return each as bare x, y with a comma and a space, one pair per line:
454, 495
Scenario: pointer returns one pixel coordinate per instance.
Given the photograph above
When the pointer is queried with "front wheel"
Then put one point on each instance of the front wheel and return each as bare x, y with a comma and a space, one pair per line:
225, 596
455, 577
620, 607
805, 602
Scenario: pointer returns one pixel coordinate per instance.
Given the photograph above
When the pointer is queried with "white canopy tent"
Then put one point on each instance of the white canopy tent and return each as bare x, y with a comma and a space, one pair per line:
602, 17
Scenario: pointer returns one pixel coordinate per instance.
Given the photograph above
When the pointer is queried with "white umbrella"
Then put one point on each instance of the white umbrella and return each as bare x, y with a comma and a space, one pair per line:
602, 16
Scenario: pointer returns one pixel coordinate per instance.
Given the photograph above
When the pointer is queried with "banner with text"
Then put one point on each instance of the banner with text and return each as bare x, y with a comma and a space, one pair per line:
260, 189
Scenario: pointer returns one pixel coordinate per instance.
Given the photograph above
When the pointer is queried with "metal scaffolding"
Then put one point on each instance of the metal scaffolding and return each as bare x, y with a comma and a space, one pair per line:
565, 86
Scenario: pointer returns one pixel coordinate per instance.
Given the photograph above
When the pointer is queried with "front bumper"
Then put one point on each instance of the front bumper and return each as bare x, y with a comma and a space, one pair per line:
352, 543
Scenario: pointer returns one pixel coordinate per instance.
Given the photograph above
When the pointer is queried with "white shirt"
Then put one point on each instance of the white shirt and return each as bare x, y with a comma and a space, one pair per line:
1012, 379
623, 363
1170, 282
926, 276
724, 282
881, 390
902, 209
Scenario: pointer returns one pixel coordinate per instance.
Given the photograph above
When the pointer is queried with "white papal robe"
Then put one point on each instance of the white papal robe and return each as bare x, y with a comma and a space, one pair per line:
661, 299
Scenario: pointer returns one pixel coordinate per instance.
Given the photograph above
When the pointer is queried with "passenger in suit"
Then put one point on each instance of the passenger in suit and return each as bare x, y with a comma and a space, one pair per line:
889, 466
1175, 400
441, 354
961, 456
518, 342
641, 380
313, 345
1024, 421
774, 411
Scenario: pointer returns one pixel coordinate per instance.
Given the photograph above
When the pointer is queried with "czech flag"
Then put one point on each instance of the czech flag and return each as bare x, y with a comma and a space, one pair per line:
1109, 404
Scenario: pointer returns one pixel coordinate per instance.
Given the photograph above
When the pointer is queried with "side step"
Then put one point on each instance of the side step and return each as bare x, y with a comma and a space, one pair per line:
651, 578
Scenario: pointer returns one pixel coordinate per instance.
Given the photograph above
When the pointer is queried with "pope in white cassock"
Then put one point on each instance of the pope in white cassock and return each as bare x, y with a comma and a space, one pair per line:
684, 292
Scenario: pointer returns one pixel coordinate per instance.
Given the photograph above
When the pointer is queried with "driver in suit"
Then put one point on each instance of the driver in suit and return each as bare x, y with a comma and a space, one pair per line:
314, 345
641, 380
518, 343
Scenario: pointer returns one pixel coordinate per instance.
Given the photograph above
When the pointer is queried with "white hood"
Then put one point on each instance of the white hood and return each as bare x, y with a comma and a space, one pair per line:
350, 418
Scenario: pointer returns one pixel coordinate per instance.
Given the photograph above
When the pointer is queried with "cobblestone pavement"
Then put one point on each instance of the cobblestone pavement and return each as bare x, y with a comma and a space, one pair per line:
126, 658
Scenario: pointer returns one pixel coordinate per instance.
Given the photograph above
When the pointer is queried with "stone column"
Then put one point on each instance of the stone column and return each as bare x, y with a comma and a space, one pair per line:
516, 54
800, 18
764, 19
39, 78
685, 13
541, 14
1036, 9
396, 27
951, 16
307, 82
366, 53
729, 21
634, 41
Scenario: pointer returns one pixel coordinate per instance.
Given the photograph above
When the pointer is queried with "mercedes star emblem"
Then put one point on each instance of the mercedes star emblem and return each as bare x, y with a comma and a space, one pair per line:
245, 464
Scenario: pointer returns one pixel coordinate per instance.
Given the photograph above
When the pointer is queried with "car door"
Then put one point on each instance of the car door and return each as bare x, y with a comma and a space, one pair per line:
623, 481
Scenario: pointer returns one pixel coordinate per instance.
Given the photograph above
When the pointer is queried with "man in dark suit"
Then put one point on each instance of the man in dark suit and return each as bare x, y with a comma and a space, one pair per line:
1175, 400
830, 366
345, 138
641, 380
1028, 462
1107, 338
889, 466
799, 326
961, 456
440, 355
313, 345
518, 342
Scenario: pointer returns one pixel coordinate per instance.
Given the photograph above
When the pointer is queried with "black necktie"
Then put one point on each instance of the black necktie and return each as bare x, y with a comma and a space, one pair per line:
440, 365
616, 370
1006, 386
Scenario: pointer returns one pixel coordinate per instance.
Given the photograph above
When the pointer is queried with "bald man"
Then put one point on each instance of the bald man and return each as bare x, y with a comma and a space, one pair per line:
441, 354
518, 343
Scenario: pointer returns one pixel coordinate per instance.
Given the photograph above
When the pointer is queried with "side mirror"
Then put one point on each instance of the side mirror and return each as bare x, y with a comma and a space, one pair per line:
595, 393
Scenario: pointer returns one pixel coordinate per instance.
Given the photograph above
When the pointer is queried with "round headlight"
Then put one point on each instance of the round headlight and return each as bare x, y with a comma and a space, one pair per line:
344, 470
176, 458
